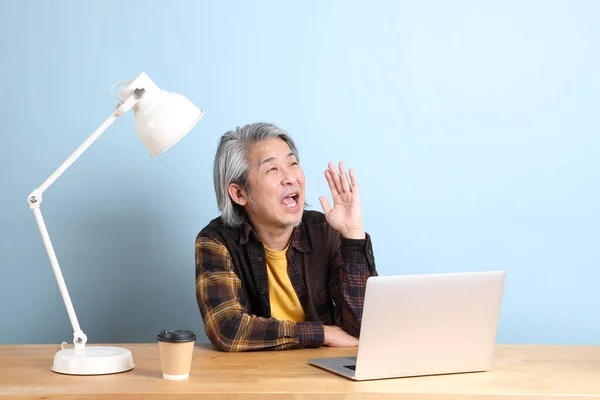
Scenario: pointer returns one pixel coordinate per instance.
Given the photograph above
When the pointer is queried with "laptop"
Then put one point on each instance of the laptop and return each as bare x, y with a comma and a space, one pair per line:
430, 324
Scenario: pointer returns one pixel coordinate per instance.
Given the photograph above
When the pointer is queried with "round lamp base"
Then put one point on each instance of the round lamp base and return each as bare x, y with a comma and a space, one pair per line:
93, 360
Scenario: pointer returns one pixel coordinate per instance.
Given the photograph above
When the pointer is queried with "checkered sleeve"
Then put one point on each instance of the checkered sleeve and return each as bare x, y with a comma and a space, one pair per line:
227, 323
352, 265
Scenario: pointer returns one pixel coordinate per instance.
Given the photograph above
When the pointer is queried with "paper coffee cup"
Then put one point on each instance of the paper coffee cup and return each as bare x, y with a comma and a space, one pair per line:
176, 348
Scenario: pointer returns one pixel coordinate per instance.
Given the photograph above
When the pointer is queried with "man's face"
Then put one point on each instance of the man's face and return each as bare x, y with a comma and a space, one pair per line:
276, 185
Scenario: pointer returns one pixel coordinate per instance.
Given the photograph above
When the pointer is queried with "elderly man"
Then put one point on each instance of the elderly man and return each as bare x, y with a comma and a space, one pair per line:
269, 274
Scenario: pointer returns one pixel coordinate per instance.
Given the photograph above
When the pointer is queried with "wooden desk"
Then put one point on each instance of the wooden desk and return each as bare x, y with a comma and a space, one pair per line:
519, 372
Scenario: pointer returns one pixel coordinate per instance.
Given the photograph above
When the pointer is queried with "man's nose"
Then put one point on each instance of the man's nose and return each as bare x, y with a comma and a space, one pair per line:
289, 178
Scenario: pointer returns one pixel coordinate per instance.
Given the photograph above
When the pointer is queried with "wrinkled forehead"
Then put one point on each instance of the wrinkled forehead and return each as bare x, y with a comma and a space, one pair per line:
271, 150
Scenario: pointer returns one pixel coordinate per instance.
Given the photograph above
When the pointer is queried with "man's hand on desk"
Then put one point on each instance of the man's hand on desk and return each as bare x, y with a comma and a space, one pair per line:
336, 337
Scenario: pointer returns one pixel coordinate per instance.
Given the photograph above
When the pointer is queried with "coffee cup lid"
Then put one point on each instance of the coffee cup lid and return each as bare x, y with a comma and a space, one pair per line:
176, 336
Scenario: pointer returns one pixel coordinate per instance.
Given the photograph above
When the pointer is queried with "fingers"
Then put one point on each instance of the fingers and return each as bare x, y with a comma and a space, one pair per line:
353, 180
338, 182
331, 182
325, 204
344, 178
336, 178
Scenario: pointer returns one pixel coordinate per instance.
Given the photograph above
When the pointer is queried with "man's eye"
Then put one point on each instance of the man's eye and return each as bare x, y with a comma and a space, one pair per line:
295, 163
272, 169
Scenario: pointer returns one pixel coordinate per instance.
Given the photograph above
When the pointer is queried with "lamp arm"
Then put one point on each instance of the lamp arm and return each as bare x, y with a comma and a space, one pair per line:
119, 111
35, 199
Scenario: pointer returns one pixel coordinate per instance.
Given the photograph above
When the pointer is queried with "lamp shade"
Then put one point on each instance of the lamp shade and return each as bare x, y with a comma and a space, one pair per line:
162, 118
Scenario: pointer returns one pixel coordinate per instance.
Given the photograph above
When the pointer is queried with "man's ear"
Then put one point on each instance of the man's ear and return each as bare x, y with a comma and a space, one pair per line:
237, 194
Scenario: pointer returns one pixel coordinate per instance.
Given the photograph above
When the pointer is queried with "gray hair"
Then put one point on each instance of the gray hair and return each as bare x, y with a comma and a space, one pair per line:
231, 165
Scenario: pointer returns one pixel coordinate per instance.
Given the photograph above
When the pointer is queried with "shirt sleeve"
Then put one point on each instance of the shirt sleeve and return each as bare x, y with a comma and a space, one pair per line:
353, 263
227, 323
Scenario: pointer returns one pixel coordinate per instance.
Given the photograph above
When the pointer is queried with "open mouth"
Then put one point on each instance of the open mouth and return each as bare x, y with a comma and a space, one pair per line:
290, 200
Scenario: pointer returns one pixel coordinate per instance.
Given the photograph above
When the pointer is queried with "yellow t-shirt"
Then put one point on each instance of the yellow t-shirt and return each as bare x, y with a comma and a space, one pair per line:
282, 296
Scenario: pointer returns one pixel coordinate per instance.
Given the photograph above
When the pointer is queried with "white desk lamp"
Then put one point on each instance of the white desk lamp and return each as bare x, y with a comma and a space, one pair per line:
162, 119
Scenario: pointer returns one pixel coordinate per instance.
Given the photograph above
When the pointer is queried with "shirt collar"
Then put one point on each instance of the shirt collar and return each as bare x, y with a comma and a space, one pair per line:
299, 238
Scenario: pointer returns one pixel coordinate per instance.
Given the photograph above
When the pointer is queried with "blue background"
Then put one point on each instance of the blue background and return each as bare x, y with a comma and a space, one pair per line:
473, 127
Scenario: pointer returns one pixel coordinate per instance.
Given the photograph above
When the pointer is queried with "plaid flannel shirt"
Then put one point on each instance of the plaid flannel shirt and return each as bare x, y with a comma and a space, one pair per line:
328, 273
